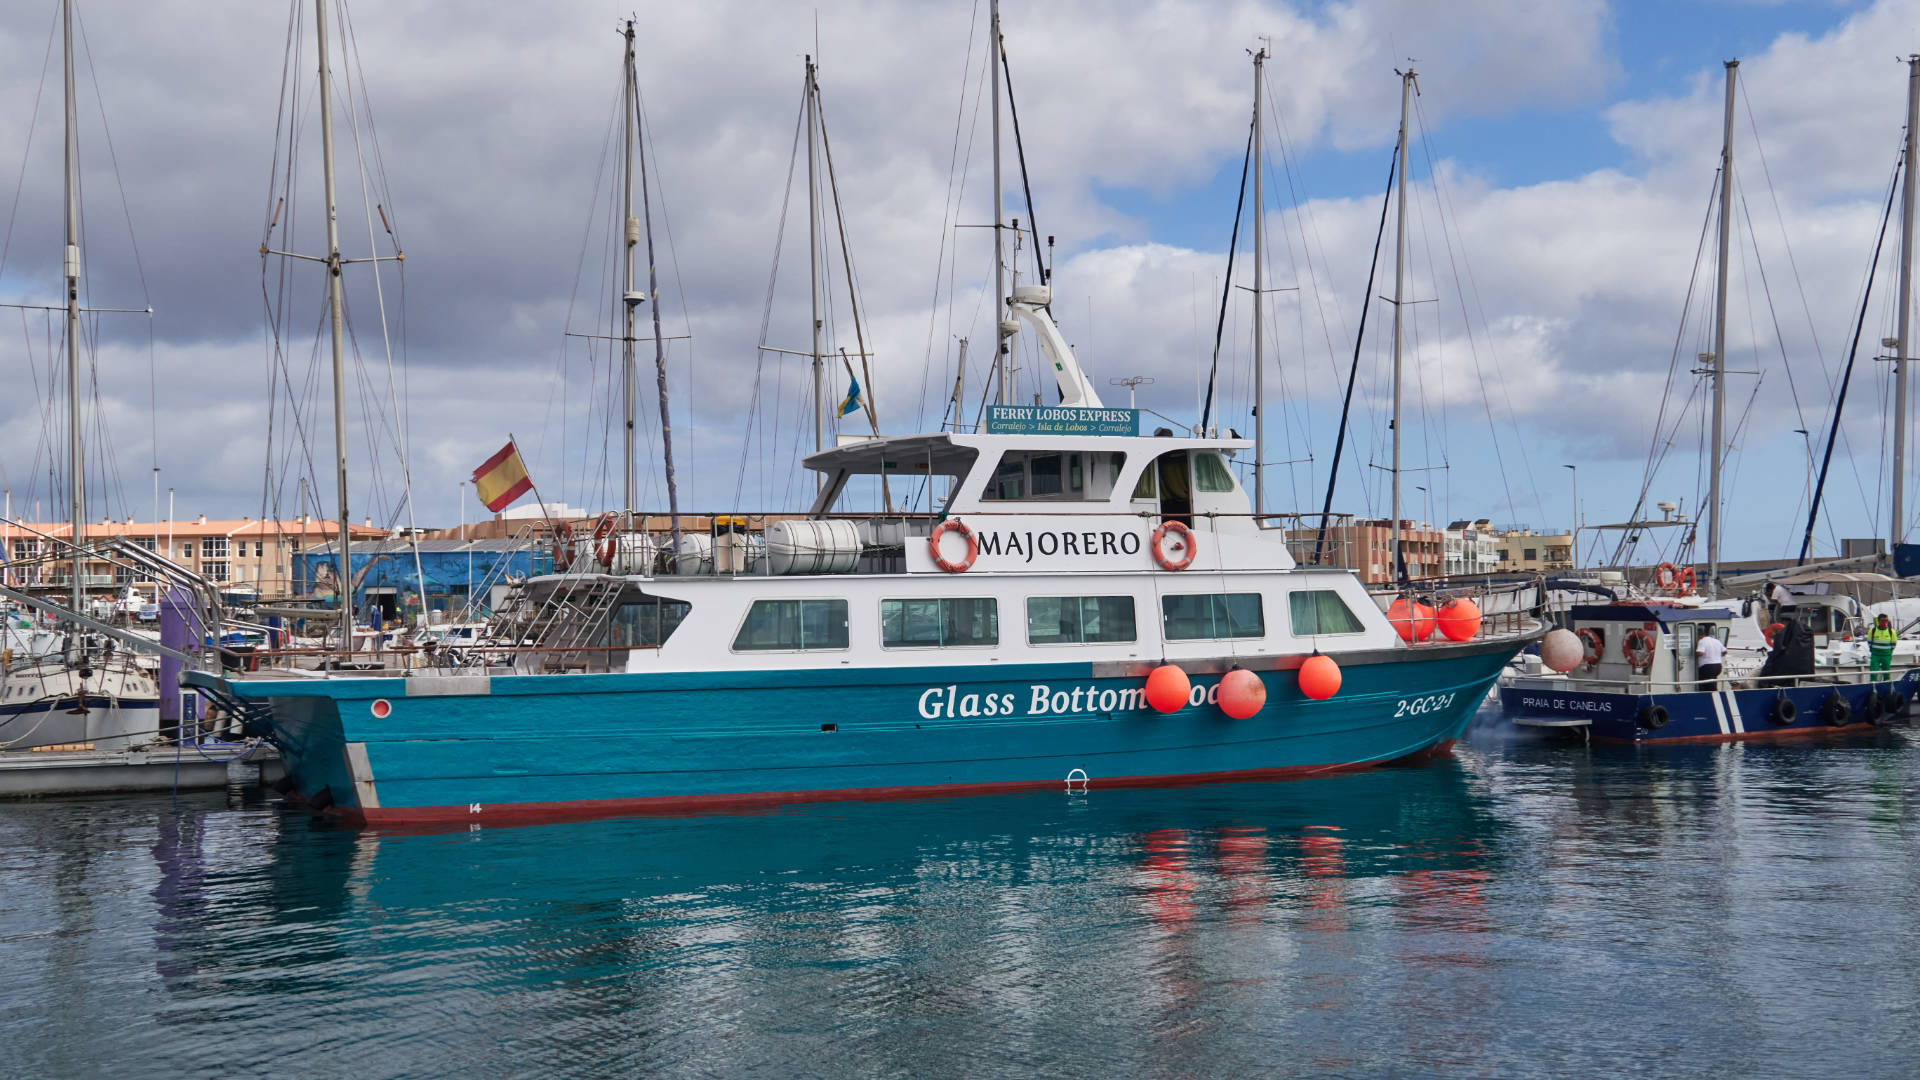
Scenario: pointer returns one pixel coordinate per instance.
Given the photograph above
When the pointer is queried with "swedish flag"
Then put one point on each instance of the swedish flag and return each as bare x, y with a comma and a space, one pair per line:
851, 402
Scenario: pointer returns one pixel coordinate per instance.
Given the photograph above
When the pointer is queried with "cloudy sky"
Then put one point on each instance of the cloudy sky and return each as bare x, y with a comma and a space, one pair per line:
1563, 162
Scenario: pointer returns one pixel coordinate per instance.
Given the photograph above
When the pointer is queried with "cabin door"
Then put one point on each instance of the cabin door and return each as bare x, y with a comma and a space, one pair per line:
1175, 474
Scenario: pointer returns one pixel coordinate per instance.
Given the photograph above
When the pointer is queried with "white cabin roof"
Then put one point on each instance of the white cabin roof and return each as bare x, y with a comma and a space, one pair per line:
953, 452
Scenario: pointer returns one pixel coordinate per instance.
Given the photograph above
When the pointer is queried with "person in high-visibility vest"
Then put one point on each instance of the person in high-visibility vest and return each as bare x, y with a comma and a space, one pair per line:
1880, 641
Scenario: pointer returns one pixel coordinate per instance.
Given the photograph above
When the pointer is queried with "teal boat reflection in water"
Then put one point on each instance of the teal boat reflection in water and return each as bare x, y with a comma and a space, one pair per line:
1521, 909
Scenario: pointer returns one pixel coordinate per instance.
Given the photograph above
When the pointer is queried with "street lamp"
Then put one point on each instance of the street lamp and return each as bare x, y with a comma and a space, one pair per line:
1575, 469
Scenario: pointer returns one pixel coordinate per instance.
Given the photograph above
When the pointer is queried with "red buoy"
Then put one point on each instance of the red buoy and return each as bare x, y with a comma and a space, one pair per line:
1167, 688
1242, 693
1459, 619
1319, 677
1412, 620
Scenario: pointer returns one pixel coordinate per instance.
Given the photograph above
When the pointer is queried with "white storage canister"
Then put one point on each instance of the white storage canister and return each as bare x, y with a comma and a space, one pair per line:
813, 547
695, 555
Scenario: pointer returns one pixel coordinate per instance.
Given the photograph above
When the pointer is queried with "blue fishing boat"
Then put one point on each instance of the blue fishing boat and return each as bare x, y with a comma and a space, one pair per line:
1639, 681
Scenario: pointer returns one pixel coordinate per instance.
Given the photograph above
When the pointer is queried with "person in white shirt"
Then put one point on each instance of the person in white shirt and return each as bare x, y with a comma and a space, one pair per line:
1707, 655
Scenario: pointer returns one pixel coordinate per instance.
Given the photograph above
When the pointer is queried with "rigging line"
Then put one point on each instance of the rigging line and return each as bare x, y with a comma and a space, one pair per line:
394, 397
946, 218
648, 147
113, 158
853, 294
26, 153
1766, 290
1353, 370
1020, 149
1673, 363
1305, 221
1233, 251
1840, 402
1443, 200
1773, 195
766, 313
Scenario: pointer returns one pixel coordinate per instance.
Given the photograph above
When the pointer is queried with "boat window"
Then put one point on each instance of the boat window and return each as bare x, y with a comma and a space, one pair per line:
1054, 476
1045, 470
935, 623
644, 624
1210, 473
1010, 479
1073, 620
1212, 615
774, 625
1321, 611
1143, 488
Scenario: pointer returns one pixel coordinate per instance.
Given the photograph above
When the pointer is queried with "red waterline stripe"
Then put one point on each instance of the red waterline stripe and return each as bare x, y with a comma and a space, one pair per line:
440, 818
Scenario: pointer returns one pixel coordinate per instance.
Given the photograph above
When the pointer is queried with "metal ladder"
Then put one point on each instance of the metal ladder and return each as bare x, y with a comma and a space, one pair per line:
572, 619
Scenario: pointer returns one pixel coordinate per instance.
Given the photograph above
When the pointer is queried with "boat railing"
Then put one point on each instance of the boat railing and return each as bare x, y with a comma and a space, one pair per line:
1854, 677
733, 543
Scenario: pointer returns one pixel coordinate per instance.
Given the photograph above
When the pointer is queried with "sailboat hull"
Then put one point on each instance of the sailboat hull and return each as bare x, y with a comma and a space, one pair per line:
477, 749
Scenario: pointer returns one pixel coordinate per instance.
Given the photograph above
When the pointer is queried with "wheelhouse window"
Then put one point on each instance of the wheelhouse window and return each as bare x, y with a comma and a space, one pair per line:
1210, 473
1055, 476
646, 623
792, 626
1314, 612
939, 623
1212, 615
1078, 620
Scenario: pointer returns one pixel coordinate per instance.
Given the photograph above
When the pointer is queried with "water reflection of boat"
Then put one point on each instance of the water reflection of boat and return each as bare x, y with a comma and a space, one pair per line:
1254, 841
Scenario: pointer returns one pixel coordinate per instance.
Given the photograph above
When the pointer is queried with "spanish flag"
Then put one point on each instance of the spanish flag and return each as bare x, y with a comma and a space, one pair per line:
502, 479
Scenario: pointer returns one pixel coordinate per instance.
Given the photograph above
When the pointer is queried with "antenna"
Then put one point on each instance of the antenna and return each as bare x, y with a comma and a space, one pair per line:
1132, 383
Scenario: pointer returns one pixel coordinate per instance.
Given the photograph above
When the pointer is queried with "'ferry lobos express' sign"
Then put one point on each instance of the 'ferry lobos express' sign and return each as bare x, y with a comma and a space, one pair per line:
1061, 420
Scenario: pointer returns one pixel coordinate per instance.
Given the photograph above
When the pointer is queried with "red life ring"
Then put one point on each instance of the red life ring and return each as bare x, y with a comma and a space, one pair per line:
1772, 629
1596, 643
606, 539
1637, 647
1683, 582
966, 533
1666, 575
563, 545
1186, 541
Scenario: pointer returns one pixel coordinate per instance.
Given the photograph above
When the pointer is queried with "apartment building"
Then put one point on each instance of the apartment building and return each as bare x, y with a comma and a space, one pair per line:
249, 553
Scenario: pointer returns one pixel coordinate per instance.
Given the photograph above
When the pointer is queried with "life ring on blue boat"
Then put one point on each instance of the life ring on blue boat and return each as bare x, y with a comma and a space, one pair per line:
1783, 711
1595, 640
1637, 647
1158, 544
1666, 576
966, 533
563, 545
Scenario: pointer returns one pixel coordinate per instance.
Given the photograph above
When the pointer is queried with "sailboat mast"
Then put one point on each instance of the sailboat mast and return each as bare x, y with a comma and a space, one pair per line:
70, 265
1002, 358
1399, 302
1718, 371
813, 266
630, 233
659, 339
1899, 529
1259, 305
336, 319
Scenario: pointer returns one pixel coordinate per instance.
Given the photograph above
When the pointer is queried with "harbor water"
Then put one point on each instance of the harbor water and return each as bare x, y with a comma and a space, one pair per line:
1527, 908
